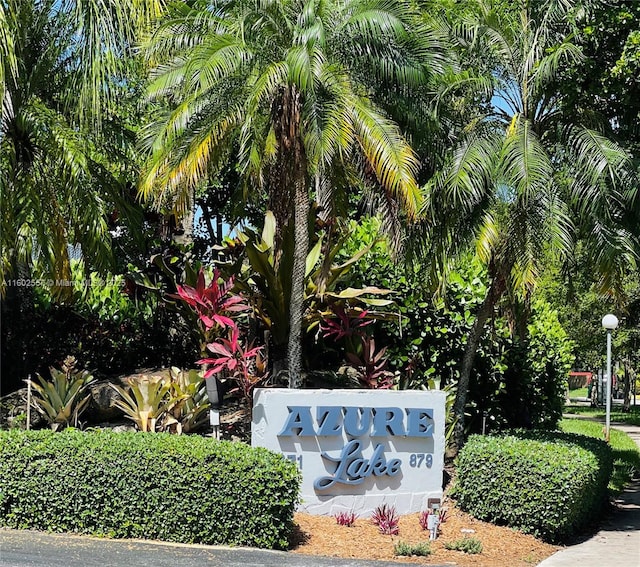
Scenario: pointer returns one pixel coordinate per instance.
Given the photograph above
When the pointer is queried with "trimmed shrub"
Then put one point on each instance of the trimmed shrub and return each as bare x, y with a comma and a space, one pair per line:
157, 486
549, 484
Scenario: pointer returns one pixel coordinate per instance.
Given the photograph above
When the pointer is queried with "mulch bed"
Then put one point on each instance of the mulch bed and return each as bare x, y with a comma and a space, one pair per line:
502, 547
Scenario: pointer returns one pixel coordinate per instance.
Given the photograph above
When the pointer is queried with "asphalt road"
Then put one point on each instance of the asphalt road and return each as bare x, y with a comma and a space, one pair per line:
22, 548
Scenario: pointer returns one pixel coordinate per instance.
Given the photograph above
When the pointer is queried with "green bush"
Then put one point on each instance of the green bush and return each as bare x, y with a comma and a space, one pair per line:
549, 484
157, 486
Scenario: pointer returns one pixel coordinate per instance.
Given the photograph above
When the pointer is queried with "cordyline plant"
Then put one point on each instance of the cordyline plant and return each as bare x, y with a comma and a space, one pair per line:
347, 519
236, 362
345, 324
424, 517
360, 353
386, 519
214, 303
371, 366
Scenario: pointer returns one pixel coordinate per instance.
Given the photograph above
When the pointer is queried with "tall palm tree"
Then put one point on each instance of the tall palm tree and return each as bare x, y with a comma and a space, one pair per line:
529, 176
56, 60
285, 84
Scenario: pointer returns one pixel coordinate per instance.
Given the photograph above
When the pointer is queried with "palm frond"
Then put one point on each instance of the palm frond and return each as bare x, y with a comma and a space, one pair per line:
390, 156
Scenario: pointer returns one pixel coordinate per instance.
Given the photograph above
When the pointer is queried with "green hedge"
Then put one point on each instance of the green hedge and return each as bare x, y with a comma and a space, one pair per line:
549, 484
176, 488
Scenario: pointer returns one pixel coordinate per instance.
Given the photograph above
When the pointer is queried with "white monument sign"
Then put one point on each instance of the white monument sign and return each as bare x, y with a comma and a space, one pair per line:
357, 449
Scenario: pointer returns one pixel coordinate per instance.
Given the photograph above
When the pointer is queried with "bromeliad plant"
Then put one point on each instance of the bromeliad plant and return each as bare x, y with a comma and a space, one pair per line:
191, 410
146, 400
62, 399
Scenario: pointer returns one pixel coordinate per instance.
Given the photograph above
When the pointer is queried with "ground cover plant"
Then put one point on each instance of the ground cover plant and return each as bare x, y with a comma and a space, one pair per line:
502, 546
186, 489
407, 549
626, 456
515, 480
469, 545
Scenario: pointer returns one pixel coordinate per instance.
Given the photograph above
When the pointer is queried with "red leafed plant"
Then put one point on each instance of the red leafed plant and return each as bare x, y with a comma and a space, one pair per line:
371, 366
237, 362
386, 519
212, 302
424, 517
345, 518
344, 325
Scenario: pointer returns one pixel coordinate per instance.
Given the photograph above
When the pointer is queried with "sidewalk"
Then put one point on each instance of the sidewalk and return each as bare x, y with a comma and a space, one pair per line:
617, 544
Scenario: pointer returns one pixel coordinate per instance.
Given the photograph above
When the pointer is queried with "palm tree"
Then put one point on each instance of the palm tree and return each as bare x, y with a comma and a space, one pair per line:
529, 176
283, 86
56, 186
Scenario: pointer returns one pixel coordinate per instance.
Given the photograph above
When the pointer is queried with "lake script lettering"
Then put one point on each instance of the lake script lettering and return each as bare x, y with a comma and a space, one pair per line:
352, 468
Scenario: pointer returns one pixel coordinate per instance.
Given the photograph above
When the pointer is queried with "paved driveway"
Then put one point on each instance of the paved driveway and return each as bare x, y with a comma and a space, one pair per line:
22, 548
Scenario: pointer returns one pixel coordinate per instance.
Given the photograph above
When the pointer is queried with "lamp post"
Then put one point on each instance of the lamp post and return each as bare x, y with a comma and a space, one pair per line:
609, 322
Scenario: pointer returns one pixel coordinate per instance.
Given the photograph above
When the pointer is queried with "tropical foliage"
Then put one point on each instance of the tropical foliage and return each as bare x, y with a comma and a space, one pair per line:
280, 85
145, 400
191, 412
57, 183
528, 177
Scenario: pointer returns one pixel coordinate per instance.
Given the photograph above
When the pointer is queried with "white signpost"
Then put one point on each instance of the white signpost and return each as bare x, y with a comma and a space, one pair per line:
357, 449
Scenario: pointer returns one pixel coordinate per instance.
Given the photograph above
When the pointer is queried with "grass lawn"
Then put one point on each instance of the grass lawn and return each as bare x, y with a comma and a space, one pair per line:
626, 454
631, 418
578, 393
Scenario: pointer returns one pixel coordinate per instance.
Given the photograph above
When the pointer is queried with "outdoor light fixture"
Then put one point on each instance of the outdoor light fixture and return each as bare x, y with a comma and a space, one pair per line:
609, 322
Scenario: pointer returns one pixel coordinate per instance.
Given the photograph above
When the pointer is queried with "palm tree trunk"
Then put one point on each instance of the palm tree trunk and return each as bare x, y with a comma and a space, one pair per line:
187, 221
296, 309
289, 201
494, 293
